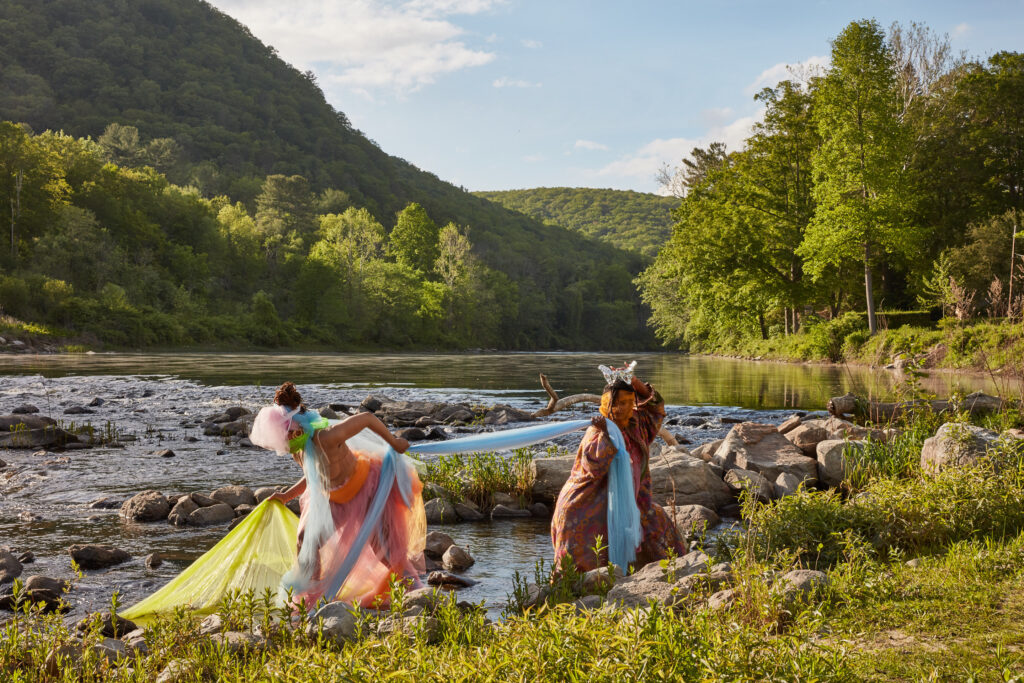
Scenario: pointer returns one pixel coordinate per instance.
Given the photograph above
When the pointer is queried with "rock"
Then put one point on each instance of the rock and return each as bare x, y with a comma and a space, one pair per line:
503, 415
540, 510
690, 480
243, 510
536, 595
706, 450
449, 580
688, 421
336, 621
956, 445
96, 402
221, 513
440, 511
202, 500
26, 409
237, 642
914, 563
786, 485
424, 599
651, 582
549, 476
46, 583
599, 580
148, 506
457, 559
234, 495
232, 414
411, 434
29, 516
182, 509
27, 557
154, 560
328, 413
760, 448
789, 424
832, 460
295, 506
503, 511
428, 628
800, 583
136, 641
693, 519
2, 464
436, 434
179, 671
30, 431
78, 410
435, 490
97, 556
213, 623
761, 488
246, 442
588, 602
722, 600
843, 429
806, 437
106, 503
437, 543
468, 512
165, 453
371, 403
264, 492
10, 567
500, 498
109, 626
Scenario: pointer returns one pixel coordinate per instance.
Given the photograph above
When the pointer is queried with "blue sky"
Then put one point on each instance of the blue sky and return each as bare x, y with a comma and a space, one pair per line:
505, 94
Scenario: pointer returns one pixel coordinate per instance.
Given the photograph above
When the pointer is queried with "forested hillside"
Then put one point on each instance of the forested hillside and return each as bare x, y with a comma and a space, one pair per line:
629, 220
226, 168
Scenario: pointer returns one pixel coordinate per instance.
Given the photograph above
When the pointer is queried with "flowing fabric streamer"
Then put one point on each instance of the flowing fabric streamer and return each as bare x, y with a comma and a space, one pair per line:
624, 534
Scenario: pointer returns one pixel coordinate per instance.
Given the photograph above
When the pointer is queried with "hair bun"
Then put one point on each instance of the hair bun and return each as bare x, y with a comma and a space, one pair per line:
288, 396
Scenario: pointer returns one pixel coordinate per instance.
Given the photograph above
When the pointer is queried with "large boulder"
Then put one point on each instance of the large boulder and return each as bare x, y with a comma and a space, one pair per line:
336, 621
182, 509
760, 448
440, 511
234, 495
457, 559
832, 455
705, 451
652, 582
692, 519
759, 487
148, 506
406, 413
956, 445
844, 429
806, 437
504, 414
550, 475
97, 556
437, 543
32, 431
221, 513
678, 477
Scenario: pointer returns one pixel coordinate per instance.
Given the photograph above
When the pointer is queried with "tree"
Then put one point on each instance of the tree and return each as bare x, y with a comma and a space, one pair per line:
413, 241
32, 186
858, 165
693, 170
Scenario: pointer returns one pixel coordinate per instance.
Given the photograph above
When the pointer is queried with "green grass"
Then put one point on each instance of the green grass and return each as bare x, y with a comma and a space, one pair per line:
478, 476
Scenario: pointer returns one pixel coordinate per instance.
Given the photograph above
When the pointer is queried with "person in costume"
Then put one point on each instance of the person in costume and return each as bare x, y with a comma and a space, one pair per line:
362, 518
615, 503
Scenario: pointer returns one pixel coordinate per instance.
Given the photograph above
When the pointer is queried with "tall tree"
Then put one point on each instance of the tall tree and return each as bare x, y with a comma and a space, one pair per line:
858, 165
413, 240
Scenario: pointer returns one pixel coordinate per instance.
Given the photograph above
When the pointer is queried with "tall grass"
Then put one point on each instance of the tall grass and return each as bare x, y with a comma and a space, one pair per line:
478, 476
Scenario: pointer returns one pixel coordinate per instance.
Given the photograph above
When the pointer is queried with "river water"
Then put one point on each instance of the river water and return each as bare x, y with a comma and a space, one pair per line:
157, 400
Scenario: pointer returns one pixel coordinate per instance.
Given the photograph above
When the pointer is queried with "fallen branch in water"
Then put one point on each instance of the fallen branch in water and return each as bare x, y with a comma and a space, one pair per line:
556, 404
877, 411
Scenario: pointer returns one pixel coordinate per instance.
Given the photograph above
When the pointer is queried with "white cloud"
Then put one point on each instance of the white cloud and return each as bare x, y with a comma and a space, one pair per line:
590, 144
961, 30
532, 44
505, 82
782, 71
364, 44
644, 163
533, 158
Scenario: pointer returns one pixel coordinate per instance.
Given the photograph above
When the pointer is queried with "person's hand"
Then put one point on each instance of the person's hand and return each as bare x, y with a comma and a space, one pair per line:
401, 445
279, 496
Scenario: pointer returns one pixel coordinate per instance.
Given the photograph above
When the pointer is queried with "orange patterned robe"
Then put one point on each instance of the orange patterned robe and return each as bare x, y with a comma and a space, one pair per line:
581, 513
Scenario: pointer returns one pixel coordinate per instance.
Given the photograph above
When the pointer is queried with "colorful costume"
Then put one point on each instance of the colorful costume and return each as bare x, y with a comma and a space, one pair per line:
581, 513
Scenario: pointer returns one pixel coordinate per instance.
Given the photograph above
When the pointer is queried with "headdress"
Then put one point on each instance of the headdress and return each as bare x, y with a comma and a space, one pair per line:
270, 428
611, 375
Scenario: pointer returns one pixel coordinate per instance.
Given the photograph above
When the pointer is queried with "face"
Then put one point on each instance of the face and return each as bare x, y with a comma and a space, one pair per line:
622, 408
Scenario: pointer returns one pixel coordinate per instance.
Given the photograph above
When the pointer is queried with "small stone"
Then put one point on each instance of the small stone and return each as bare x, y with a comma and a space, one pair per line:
502, 511
214, 623
182, 509
96, 402
237, 642
148, 506
37, 582
722, 600
165, 453
243, 510
729, 420
154, 560
263, 493
447, 579
234, 495
202, 500
499, 498
10, 567
27, 557
179, 671
221, 513
787, 484
457, 559
78, 410
914, 563
540, 510
106, 503
467, 513
26, 409
29, 516
599, 580
789, 424
440, 511
97, 556
336, 621
799, 583
110, 627
437, 543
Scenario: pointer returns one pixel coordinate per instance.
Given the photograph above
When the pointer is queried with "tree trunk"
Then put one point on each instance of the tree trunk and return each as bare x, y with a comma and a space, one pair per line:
1013, 258
764, 329
869, 290
876, 411
785, 318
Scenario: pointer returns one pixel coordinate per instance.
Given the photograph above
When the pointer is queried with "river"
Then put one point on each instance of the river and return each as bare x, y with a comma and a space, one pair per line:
157, 400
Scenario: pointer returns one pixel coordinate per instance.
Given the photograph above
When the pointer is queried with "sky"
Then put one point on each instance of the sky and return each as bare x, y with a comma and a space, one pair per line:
509, 94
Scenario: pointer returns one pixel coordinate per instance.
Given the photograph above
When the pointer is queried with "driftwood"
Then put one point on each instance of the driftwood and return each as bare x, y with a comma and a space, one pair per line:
877, 411
555, 404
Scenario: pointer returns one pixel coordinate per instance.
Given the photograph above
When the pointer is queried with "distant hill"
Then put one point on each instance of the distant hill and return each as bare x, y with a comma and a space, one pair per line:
183, 70
630, 220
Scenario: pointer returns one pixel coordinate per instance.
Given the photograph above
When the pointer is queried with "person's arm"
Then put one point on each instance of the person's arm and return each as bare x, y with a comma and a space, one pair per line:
296, 490
349, 427
650, 411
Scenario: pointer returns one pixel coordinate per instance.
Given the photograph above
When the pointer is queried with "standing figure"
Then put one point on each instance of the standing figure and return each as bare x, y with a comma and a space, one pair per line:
362, 518
582, 511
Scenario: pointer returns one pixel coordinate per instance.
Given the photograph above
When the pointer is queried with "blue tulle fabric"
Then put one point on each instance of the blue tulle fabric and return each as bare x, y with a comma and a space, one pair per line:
624, 533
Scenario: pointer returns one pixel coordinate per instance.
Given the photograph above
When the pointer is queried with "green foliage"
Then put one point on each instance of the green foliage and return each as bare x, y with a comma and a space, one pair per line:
629, 220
